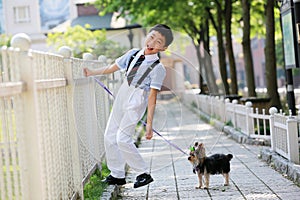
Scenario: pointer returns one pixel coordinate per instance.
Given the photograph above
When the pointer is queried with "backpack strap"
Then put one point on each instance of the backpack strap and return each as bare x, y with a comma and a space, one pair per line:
131, 59
149, 69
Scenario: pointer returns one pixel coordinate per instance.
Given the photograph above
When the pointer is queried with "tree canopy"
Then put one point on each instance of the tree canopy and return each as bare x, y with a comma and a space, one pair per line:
4, 40
196, 19
82, 41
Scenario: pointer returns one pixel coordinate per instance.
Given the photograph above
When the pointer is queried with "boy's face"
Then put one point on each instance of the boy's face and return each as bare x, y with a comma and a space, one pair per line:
154, 43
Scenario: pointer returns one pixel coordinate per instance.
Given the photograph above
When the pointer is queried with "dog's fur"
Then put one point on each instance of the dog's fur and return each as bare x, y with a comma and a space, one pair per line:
214, 164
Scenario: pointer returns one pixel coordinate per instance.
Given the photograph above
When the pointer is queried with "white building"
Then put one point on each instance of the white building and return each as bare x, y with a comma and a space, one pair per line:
33, 17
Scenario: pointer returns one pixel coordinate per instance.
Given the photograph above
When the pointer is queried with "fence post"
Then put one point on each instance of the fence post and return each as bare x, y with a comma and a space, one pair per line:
234, 102
249, 119
292, 140
212, 106
30, 160
66, 52
226, 102
272, 111
222, 110
93, 138
219, 111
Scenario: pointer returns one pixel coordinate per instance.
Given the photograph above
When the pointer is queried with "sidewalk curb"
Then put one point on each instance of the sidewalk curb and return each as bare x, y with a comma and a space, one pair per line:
281, 165
111, 192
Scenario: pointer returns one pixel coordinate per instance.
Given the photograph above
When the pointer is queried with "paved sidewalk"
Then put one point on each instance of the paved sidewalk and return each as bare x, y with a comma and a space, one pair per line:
250, 177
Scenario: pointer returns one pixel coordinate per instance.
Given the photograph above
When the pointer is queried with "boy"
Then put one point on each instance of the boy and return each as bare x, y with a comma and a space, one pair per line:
134, 95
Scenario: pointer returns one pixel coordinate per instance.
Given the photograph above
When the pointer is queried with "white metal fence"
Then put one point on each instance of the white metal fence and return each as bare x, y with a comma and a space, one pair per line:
282, 130
52, 121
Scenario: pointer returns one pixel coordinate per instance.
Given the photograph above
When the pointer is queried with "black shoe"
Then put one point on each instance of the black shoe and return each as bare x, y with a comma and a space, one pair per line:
110, 180
142, 180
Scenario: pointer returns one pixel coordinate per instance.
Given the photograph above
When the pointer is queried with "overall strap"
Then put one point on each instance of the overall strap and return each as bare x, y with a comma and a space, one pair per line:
131, 59
149, 69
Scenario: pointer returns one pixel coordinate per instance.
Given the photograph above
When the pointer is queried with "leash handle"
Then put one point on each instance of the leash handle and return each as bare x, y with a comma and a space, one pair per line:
144, 123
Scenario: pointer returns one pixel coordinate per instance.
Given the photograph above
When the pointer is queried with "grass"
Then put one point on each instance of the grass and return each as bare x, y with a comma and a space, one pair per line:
140, 130
194, 105
94, 188
229, 123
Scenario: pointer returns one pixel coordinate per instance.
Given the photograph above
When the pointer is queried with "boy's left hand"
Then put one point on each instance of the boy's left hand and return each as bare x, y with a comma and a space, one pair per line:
149, 132
87, 72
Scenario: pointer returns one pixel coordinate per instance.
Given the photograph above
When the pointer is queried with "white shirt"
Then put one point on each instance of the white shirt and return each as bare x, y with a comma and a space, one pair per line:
154, 79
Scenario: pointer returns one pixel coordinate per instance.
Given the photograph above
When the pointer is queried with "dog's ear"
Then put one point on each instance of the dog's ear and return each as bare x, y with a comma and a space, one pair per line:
201, 145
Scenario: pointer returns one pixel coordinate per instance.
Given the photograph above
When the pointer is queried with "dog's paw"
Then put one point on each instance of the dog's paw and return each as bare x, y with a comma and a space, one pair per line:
226, 184
198, 187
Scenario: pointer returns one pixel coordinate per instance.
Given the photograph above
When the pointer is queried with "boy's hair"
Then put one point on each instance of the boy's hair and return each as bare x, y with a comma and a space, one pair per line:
165, 31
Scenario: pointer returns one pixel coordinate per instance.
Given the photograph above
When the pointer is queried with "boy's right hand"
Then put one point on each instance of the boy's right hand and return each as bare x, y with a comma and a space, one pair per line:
87, 72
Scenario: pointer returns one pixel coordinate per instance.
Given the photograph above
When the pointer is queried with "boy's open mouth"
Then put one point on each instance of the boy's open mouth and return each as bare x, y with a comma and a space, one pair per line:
150, 48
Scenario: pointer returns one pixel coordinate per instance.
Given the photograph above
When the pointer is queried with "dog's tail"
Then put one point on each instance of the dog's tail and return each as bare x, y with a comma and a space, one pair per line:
229, 156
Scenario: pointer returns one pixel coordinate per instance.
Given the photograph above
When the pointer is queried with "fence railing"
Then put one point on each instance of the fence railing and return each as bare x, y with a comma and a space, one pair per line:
282, 130
52, 121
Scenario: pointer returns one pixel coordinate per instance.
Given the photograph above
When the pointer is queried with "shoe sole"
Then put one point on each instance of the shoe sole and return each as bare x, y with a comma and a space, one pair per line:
113, 183
118, 184
143, 184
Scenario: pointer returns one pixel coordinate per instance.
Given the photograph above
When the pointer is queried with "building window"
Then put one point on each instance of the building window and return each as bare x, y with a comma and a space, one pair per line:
22, 14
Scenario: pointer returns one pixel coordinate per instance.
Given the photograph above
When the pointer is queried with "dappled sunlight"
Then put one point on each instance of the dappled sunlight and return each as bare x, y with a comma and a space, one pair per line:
191, 127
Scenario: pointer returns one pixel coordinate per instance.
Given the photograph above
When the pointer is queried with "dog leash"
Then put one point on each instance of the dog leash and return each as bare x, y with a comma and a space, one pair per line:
104, 87
144, 123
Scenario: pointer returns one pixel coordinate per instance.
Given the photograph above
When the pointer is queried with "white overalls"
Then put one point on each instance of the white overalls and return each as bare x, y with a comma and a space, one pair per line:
128, 108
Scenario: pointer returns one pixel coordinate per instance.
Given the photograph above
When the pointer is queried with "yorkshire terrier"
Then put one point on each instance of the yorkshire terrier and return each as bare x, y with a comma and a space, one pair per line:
214, 164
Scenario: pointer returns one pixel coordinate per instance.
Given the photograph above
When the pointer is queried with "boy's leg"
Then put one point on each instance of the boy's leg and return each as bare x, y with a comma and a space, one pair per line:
114, 158
130, 152
127, 147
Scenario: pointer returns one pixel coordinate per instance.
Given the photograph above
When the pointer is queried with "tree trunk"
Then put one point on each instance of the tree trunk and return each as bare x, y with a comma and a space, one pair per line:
201, 85
229, 48
247, 49
271, 74
221, 53
211, 79
205, 71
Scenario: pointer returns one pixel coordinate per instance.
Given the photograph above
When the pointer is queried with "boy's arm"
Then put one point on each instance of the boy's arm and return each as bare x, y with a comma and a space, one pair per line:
104, 70
150, 112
